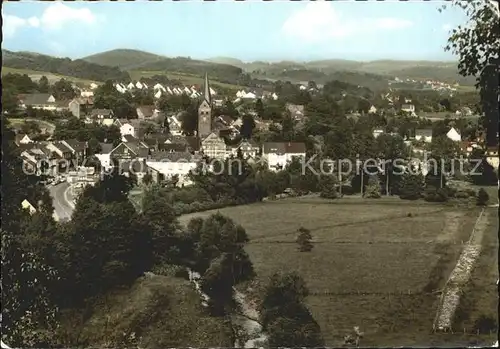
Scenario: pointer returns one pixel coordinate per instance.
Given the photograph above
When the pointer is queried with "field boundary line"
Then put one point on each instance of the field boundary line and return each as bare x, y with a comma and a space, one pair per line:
450, 297
348, 224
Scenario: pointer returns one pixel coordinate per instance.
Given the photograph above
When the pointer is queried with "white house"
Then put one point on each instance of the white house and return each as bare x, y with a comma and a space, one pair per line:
302, 88
249, 95
85, 93
173, 164
131, 86
138, 85
159, 87
278, 155
157, 94
187, 90
26, 205
377, 132
127, 129
424, 135
169, 91
372, 110
454, 135
93, 86
408, 108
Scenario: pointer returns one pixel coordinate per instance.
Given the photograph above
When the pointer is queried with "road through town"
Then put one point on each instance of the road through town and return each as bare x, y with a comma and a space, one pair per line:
62, 199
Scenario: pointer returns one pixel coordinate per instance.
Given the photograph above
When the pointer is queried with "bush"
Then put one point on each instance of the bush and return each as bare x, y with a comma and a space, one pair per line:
482, 197
485, 324
461, 195
433, 195
304, 240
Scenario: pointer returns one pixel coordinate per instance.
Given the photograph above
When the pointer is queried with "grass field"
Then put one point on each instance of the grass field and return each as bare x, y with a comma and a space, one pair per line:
372, 266
18, 122
185, 78
36, 75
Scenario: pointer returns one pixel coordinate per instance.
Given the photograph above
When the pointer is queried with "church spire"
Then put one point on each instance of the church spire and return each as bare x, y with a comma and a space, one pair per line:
207, 95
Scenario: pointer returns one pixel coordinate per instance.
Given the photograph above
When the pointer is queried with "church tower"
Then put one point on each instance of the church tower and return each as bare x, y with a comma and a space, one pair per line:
205, 112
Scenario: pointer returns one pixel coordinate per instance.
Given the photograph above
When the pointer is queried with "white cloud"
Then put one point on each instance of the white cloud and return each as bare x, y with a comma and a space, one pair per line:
11, 24
54, 17
57, 15
319, 21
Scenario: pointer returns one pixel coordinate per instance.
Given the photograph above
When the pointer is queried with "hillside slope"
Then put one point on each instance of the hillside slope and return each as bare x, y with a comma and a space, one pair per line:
124, 59
156, 312
61, 66
139, 60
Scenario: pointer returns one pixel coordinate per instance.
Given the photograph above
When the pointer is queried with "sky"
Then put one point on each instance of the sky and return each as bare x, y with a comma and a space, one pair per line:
250, 30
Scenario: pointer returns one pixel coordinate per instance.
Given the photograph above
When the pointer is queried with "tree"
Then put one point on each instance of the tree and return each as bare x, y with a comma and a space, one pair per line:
285, 318
63, 90
411, 186
247, 126
161, 220
304, 238
28, 312
43, 85
372, 190
482, 197
328, 188
479, 41
259, 108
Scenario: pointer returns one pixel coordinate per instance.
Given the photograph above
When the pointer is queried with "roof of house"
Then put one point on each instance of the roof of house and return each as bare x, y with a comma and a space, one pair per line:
105, 112
76, 145
84, 100
164, 156
37, 99
62, 147
106, 148
284, 147
129, 138
173, 147
146, 110
193, 142
226, 119
425, 132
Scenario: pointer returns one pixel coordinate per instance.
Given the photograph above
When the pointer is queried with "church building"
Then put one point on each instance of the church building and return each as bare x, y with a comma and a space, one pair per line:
205, 112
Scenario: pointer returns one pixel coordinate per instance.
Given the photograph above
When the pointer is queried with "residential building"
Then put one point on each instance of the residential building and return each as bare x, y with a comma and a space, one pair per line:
214, 146
408, 108
454, 135
103, 116
492, 156
131, 127
44, 101
377, 132
26, 205
279, 154
248, 149
22, 138
175, 125
372, 110
81, 106
166, 165
205, 112
297, 112
424, 135
146, 112
129, 151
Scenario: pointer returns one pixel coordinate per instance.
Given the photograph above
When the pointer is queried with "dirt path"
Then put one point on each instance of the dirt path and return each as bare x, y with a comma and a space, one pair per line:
460, 275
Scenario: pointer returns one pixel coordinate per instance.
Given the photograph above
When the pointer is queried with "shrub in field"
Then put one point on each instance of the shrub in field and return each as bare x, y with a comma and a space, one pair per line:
411, 187
482, 197
304, 240
435, 195
485, 324
372, 190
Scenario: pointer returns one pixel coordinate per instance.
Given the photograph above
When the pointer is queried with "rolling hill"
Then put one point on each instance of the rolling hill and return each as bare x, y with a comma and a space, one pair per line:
61, 66
139, 60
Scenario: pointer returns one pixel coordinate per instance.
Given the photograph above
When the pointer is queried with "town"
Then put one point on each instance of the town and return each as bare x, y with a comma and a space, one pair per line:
156, 201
